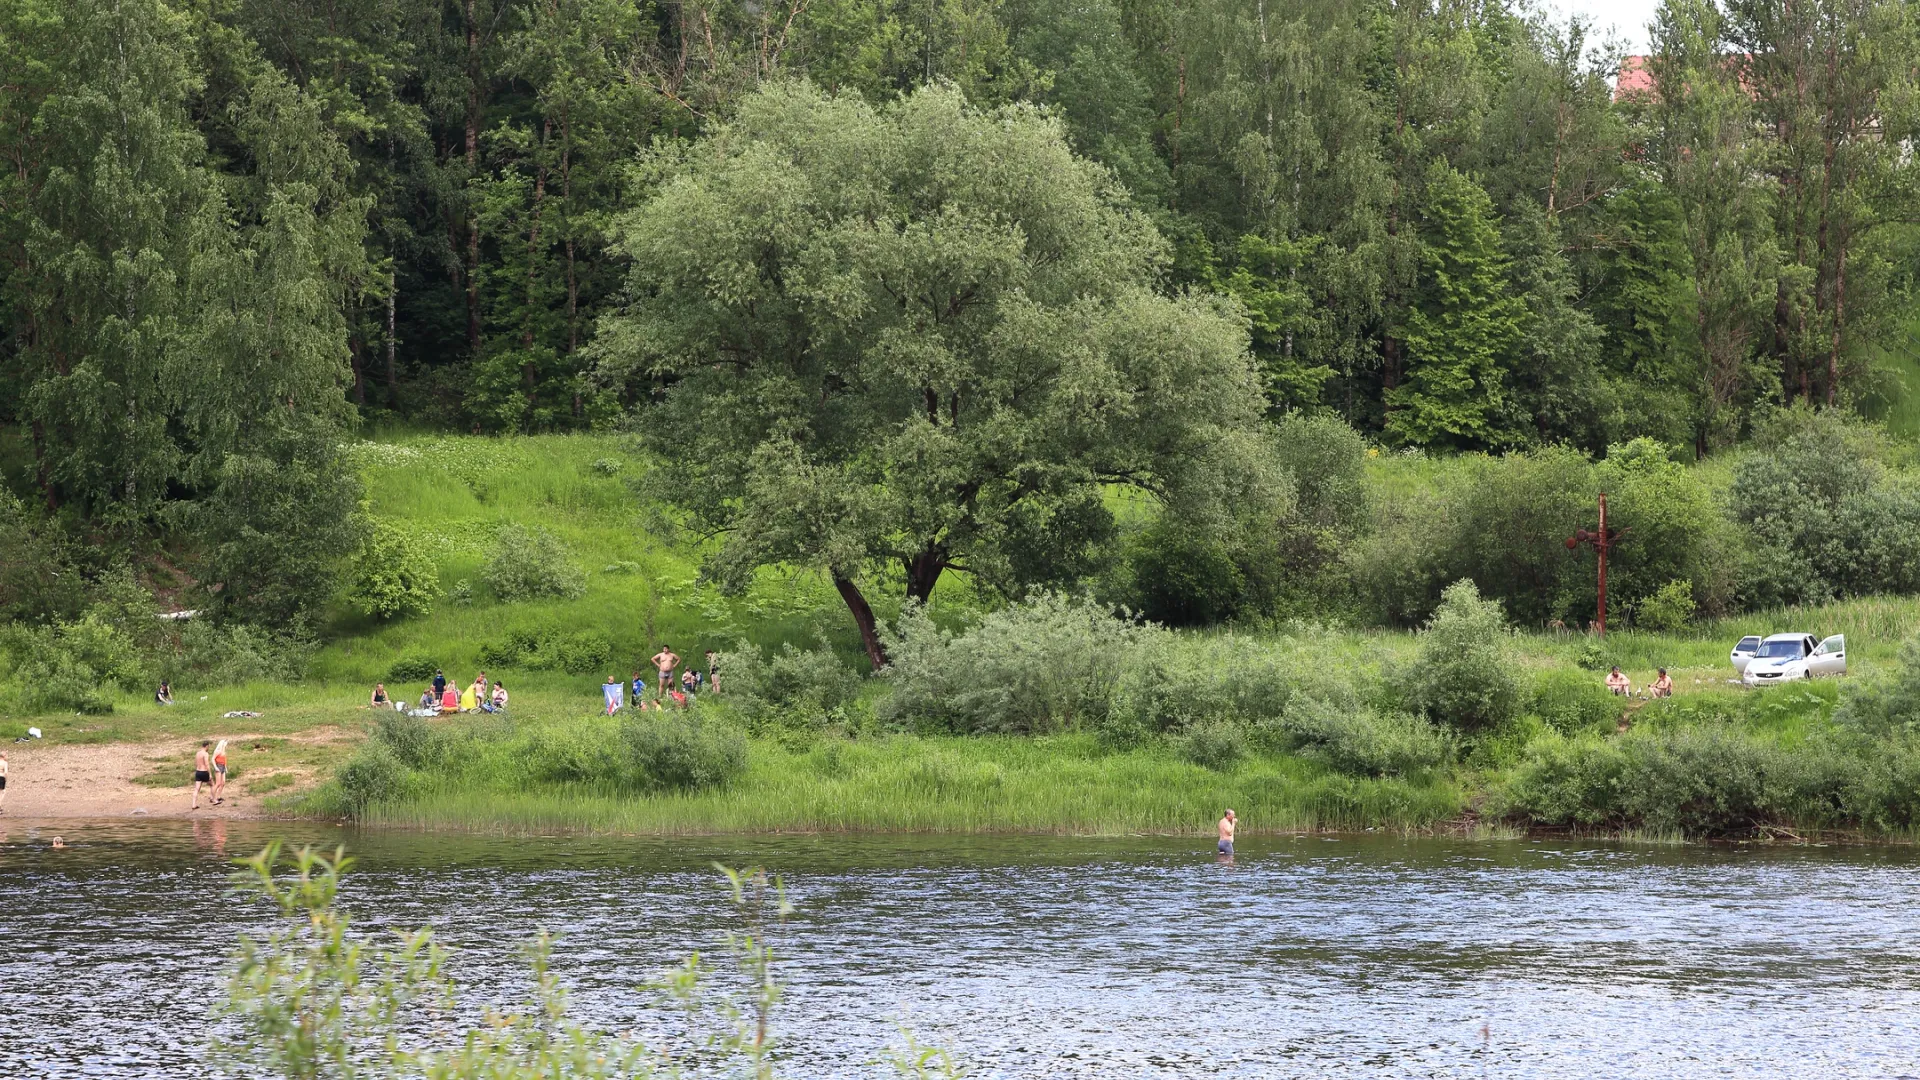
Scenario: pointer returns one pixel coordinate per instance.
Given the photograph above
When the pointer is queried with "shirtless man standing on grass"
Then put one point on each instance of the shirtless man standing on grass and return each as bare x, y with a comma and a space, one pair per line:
1226, 835
202, 770
665, 661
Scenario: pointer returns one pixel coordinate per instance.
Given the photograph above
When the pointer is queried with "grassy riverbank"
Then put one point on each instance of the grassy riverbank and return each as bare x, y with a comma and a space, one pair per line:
905, 783
1223, 728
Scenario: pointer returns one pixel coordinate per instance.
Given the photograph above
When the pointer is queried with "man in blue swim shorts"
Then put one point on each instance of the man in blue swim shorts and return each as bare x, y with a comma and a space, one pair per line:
1226, 834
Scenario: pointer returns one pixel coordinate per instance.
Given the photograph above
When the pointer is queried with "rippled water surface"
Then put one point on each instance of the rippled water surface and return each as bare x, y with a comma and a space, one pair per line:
1311, 956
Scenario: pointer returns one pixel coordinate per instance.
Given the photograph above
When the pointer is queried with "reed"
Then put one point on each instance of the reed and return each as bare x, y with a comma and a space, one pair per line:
946, 784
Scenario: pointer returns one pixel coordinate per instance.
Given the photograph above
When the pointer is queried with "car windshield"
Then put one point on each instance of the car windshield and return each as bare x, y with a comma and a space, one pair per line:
1774, 650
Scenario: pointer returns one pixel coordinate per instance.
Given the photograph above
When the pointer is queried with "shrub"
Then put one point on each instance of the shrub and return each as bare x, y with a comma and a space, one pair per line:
528, 563
1669, 608
681, 751
1888, 704
1570, 702
792, 688
1465, 676
545, 648
1701, 780
1825, 515
413, 742
235, 653
1216, 744
1361, 740
1046, 664
413, 668
462, 592
374, 774
74, 666
393, 574
1184, 576
577, 654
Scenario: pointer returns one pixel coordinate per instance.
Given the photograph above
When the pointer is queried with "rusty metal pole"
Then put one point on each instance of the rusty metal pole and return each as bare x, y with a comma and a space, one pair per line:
1602, 544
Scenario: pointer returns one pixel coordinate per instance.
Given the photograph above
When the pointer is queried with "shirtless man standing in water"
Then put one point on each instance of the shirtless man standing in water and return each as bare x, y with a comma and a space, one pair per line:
1226, 834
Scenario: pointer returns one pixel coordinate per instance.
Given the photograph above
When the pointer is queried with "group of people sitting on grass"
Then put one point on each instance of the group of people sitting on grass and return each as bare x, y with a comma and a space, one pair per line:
1618, 682
440, 697
677, 685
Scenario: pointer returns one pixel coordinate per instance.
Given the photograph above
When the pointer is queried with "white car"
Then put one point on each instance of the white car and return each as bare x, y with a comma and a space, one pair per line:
1786, 657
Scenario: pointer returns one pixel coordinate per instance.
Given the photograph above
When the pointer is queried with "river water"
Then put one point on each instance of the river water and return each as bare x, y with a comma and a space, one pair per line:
1045, 956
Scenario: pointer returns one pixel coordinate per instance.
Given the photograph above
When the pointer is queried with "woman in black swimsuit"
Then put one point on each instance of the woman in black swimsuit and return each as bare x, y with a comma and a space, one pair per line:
379, 700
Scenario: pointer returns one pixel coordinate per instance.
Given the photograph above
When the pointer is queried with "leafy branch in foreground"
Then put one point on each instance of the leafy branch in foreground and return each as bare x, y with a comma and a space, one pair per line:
316, 999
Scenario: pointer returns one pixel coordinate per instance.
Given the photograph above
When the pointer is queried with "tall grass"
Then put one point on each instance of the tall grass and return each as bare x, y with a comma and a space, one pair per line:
949, 784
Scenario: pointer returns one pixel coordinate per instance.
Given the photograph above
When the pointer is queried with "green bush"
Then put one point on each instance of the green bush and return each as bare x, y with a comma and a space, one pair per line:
374, 774
74, 666
1184, 576
546, 648
1709, 779
1363, 741
578, 653
681, 750
412, 740
791, 688
1571, 702
525, 564
1216, 744
413, 668
230, 654
393, 574
1464, 677
1887, 704
1046, 664
1669, 608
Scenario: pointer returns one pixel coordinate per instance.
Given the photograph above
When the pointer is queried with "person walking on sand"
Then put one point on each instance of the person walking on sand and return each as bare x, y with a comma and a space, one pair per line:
665, 661
202, 770
220, 772
1227, 823
613, 692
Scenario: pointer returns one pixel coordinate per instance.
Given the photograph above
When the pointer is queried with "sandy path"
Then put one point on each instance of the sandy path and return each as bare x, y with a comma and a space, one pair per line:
98, 781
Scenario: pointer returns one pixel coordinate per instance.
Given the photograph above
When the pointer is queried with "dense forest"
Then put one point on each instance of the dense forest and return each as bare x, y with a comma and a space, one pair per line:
230, 227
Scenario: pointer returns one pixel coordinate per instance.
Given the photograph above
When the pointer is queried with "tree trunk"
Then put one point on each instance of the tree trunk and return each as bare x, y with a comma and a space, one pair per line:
862, 617
393, 378
473, 160
359, 370
923, 573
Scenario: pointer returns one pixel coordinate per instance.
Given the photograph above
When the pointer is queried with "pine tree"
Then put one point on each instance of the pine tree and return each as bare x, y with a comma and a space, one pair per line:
1464, 329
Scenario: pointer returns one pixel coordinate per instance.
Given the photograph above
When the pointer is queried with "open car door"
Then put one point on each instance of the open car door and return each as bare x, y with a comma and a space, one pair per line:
1829, 657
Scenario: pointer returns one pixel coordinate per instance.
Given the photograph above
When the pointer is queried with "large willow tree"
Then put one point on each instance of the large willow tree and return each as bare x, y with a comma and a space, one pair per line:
917, 338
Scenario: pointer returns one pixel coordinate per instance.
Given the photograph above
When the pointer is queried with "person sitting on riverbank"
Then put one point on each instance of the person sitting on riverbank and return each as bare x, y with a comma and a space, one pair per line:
429, 699
1662, 686
470, 697
498, 702
449, 701
378, 699
164, 695
1617, 682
